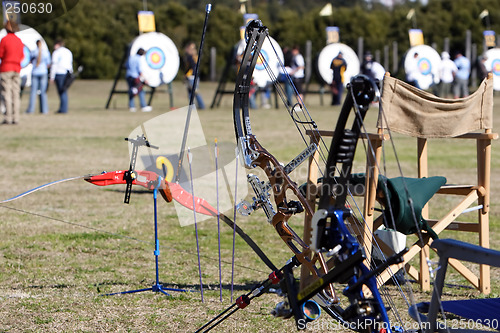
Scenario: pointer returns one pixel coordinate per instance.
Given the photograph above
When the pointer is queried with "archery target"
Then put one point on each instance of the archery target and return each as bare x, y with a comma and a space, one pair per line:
331, 51
160, 63
493, 65
155, 58
428, 65
262, 61
28, 36
271, 59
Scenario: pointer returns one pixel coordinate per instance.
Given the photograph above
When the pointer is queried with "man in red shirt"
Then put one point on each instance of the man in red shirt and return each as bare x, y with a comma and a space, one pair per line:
11, 55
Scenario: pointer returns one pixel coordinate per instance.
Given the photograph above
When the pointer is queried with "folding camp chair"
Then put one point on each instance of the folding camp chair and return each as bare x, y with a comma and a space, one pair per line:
416, 113
483, 314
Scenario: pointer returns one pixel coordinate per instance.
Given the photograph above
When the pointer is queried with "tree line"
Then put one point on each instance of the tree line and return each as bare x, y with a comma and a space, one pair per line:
98, 31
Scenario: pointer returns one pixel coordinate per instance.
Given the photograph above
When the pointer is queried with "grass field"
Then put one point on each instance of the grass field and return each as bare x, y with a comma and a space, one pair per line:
61, 247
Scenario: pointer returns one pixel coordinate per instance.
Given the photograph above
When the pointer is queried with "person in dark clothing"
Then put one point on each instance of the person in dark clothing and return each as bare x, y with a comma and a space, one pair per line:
366, 66
338, 66
190, 60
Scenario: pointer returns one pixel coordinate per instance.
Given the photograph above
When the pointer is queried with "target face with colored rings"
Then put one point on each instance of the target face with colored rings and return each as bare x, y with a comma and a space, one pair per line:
160, 63
492, 64
155, 58
262, 60
495, 67
27, 57
428, 62
29, 37
424, 65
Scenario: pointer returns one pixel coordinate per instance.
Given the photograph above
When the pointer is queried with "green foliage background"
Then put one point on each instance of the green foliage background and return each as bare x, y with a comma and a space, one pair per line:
98, 31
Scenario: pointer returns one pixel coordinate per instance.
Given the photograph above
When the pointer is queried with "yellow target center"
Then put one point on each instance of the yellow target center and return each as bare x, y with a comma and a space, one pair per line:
155, 57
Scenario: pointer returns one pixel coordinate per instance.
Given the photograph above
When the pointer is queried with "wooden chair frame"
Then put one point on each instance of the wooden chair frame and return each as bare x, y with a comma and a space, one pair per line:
478, 193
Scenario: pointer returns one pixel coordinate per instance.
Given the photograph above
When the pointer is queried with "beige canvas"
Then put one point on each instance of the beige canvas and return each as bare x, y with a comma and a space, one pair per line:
411, 111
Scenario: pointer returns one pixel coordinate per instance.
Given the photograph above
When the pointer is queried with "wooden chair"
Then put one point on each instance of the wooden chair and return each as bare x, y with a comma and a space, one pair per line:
410, 111
416, 113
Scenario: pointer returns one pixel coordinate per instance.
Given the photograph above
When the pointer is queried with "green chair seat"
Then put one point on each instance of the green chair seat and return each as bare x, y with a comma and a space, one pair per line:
400, 195
396, 199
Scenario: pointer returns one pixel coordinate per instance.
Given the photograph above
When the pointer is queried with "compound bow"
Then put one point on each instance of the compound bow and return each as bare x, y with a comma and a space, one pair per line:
331, 237
254, 155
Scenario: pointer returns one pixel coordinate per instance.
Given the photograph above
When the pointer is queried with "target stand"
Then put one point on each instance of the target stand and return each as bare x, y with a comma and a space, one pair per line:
221, 87
151, 91
159, 64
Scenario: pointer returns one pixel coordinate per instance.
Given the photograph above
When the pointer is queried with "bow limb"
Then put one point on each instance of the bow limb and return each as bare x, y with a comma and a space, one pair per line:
173, 190
183, 197
254, 155
361, 92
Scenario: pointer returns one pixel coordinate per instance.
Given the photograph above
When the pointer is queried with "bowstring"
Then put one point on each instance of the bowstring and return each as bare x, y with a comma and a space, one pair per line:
291, 109
313, 127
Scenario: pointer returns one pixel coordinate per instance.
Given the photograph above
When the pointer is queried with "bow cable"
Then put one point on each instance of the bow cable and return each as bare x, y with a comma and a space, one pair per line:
124, 236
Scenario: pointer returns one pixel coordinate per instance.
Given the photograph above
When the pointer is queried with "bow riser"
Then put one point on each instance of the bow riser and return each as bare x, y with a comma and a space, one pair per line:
255, 156
280, 184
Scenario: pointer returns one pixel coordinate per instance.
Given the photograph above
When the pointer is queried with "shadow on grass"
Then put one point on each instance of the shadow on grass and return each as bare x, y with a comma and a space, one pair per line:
188, 287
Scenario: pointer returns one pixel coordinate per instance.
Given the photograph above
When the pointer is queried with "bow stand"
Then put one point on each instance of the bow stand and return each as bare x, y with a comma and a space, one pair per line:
151, 181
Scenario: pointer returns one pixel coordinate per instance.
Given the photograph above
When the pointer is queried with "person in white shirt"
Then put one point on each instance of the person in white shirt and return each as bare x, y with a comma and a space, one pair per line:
297, 72
447, 72
413, 71
62, 64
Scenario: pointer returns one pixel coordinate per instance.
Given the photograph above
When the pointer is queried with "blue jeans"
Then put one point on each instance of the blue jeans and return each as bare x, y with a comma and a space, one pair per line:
63, 94
461, 87
39, 83
141, 94
199, 99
